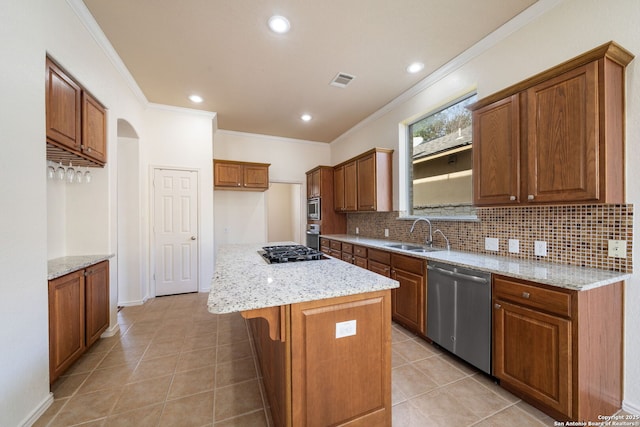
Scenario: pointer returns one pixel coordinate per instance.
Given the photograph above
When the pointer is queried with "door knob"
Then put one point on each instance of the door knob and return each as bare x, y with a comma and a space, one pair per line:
193, 237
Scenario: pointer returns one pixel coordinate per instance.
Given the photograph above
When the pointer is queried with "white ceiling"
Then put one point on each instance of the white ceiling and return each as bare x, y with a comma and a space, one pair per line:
261, 82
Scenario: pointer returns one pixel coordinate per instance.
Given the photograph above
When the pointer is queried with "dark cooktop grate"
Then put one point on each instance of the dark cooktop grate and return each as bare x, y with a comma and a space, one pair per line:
289, 253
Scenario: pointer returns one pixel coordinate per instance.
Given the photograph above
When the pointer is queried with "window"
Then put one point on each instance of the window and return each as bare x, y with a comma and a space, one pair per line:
440, 162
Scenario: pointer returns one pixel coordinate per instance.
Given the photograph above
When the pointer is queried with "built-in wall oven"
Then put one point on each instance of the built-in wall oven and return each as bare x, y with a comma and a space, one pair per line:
313, 236
313, 209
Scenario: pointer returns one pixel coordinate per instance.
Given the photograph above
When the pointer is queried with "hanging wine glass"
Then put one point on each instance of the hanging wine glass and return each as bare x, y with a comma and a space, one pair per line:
60, 172
78, 176
71, 173
87, 175
51, 171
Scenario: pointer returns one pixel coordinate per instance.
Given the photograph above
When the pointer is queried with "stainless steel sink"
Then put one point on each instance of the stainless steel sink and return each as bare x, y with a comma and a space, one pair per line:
412, 248
404, 247
425, 250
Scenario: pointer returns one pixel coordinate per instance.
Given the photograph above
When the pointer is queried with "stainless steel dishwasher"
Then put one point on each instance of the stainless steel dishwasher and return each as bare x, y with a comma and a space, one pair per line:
459, 312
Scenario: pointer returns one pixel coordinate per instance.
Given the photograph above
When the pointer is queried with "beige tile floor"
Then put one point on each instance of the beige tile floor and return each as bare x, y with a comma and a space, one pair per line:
175, 364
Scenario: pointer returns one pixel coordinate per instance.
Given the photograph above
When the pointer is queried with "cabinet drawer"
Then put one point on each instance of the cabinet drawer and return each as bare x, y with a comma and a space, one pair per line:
347, 247
407, 263
336, 254
557, 302
360, 251
360, 262
336, 245
347, 257
325, 242
379, 256
380, 268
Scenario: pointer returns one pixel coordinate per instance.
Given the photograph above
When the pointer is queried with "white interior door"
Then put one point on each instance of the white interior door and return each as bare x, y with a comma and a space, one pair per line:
176, 231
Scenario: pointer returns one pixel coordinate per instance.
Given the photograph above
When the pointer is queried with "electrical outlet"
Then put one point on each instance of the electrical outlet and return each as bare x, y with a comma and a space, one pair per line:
540, 248
491, 244
357, 230
618, 248
386, 232
345, 329
514, 246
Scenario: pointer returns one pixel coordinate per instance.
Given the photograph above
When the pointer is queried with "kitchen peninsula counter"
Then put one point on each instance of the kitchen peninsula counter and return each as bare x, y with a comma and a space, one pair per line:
322, 334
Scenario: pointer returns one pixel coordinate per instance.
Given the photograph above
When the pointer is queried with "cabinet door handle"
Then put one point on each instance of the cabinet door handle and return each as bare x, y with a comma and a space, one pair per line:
497, 306
526, 295
512, 198
530, 197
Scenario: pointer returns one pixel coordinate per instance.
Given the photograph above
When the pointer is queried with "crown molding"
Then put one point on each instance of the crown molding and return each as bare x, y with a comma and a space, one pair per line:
80, 9
527, 16
181, 110
271, 137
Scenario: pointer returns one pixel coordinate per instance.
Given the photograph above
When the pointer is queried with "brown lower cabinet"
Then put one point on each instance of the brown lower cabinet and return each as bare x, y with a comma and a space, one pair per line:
78, 315
311, 377
408, 301
559, 349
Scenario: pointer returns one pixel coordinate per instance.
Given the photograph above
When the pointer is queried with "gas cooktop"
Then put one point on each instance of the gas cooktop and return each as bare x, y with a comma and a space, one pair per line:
290, 253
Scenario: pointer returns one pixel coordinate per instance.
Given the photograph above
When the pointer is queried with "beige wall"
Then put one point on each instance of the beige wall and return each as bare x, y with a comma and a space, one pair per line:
241, 217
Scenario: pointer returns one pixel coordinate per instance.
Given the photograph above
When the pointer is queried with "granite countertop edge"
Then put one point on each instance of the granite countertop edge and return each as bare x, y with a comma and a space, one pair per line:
58, 267
558, 275
244, 281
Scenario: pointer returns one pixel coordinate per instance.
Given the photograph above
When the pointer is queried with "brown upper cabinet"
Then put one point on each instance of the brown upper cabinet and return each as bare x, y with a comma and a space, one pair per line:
364, 182
313, 183
76, 122
557, 137
243, 176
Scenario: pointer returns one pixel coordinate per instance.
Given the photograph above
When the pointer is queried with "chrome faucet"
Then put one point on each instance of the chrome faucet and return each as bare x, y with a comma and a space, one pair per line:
429, 239
445, 238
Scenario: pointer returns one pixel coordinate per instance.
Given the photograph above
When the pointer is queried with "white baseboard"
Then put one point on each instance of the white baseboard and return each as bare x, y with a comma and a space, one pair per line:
631, 407
132, 303
111, 331
37, 413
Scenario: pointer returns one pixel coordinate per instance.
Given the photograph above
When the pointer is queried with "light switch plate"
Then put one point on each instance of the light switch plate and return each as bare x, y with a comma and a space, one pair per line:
514, 246
540, 248
345, 329
357, 230
618, 248
386, 232
491, 244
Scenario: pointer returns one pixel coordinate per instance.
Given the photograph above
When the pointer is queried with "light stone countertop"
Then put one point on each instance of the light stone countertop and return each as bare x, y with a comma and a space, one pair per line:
243, 280
560, 275
58, 267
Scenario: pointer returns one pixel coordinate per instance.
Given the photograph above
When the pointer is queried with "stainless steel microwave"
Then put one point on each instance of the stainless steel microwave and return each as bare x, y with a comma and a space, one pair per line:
313, 209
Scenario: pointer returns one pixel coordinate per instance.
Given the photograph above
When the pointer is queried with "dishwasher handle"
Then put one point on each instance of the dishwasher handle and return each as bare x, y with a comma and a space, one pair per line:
458, 275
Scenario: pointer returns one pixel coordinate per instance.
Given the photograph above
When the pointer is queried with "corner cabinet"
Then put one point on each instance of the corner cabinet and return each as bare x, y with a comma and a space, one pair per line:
559, 349
76, 122
557, 137
240, 176
363, 184
78, 315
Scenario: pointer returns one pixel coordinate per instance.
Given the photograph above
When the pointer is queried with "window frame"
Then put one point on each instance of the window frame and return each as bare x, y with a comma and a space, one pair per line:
406, 144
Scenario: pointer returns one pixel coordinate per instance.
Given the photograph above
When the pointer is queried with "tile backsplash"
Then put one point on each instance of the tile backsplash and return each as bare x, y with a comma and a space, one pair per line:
575, 234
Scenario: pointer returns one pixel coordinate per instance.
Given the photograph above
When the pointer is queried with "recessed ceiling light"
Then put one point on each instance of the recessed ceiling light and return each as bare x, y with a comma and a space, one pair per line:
415, 67
279, 24
305, 117
195, 98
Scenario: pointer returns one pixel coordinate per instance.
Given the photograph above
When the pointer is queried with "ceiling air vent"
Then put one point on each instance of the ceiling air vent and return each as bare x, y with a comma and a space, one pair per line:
342, 80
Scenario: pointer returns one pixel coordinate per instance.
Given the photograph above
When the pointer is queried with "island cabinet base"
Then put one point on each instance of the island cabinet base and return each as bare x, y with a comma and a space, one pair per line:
327, 362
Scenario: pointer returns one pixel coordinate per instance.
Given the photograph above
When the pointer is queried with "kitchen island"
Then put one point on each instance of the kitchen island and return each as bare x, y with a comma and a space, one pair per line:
322, 332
